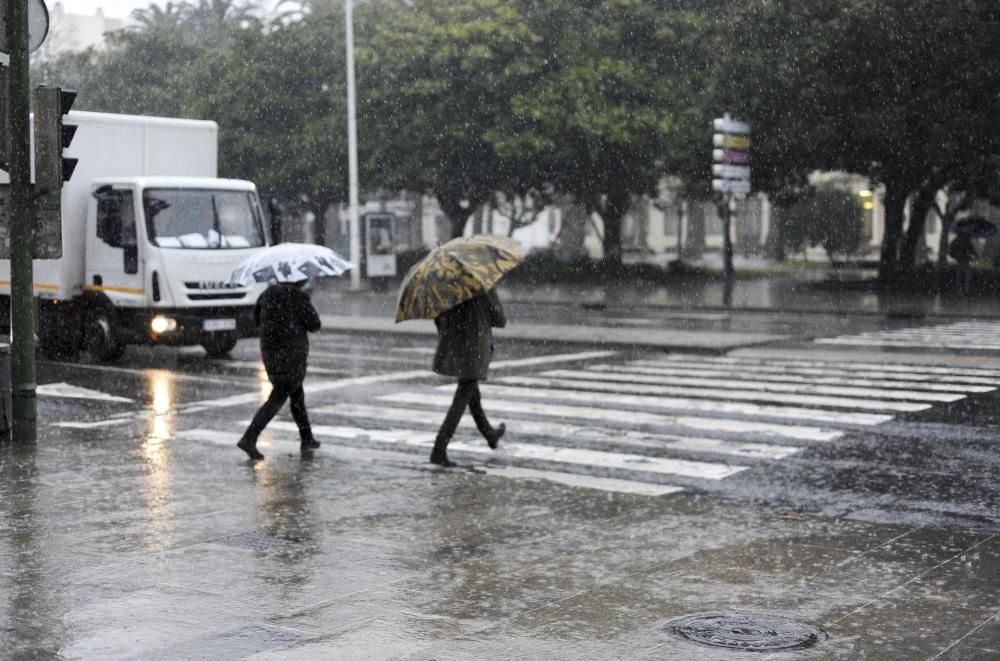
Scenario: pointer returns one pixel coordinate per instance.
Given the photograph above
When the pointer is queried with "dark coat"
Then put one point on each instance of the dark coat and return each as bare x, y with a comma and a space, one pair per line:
465, 337
962, 250
285, 316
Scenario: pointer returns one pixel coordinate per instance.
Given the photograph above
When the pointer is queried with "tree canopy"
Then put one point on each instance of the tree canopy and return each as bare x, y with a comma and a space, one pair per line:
519, 100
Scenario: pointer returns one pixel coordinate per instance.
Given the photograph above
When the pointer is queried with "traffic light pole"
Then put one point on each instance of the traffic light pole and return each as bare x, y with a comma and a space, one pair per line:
22, 304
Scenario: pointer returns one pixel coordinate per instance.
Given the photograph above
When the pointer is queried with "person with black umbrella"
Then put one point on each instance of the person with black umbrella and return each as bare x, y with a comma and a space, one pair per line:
963, 251
285, 316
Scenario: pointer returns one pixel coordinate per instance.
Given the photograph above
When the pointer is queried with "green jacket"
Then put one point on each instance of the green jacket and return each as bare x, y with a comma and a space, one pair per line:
465, 337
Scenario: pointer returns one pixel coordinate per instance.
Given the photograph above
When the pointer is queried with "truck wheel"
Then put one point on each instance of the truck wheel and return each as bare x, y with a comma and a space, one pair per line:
100, 337
219, 345
59, 333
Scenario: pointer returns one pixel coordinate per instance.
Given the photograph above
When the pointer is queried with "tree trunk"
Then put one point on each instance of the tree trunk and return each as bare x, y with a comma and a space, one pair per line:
613, 209
915, 232
457, 214
895, 205
573, 232
694, 244
955, 203
319, 225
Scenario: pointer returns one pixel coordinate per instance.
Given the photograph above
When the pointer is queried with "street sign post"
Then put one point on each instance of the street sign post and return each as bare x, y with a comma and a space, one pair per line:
731, 176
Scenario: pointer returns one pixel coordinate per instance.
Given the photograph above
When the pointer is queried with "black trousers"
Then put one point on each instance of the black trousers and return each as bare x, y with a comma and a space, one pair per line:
270, 408
466, 395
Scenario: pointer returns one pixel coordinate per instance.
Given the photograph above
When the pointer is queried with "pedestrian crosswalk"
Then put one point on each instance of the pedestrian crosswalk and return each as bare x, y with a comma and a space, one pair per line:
651, 426
976, 335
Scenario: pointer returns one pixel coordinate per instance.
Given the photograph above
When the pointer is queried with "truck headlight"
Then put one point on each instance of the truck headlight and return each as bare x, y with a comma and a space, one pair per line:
162, 324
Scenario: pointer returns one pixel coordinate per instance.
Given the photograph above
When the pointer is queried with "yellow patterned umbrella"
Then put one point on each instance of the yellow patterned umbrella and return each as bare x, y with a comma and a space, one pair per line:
454, 273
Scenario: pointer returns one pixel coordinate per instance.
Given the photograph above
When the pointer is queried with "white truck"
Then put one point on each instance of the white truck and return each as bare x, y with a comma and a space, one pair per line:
150, 236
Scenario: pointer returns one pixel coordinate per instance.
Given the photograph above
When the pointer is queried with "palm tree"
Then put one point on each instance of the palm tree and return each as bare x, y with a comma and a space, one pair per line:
169, 17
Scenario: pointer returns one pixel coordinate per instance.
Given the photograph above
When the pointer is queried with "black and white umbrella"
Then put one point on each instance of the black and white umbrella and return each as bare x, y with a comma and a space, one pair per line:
289, 262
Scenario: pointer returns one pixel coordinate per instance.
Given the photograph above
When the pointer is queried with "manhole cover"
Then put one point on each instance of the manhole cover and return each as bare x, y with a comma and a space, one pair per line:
257, 540
749, 632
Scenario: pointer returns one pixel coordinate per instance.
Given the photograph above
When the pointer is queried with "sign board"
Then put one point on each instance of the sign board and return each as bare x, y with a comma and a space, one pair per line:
728, 125
48, 225
730, 156
731, 185
731, 141
380, 245
731, 167
38, 25
47, 229
731, 171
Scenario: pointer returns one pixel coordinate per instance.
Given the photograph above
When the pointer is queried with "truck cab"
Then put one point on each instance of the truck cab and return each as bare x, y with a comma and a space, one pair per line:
146, 239
158, 256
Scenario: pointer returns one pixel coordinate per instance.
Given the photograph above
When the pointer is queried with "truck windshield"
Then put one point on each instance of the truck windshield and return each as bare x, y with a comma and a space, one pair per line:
203, 219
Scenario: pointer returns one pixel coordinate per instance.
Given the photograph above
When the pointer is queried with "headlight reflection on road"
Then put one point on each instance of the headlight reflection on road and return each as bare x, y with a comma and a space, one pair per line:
156, 453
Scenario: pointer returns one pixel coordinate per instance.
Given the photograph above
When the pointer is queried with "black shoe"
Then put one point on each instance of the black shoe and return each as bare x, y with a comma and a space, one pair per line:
493, 438
309, 444
439, 456
250, 447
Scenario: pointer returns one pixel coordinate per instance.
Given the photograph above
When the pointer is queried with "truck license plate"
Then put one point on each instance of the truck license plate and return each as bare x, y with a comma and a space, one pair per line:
218, 324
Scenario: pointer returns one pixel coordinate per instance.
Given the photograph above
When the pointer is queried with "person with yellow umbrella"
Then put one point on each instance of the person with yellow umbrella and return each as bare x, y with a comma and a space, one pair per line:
454, 286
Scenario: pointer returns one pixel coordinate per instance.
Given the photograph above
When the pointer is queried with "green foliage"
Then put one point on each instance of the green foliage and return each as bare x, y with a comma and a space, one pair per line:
829, 218
595, 99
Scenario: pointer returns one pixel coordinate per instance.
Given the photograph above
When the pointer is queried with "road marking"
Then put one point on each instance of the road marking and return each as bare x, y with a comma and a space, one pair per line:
285, 444
734, 376
531, 452
704, 424
923, 369
553, 358
635, 439
93, 425
713, 393
907, 373
976, 335
311, 388
583, 481
794, 388
497, 364
159, 372
63, 389
689, 405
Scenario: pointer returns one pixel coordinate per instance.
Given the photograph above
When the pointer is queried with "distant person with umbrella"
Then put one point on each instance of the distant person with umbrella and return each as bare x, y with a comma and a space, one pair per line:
963, 250
454, 286
285, 315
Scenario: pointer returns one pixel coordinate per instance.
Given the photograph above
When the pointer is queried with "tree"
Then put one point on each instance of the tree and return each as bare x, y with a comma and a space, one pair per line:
438, 79
599, 114
828, 218
864, 87
279, 101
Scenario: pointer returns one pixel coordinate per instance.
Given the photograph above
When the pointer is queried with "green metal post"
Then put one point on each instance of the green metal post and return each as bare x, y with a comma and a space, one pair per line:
22, 302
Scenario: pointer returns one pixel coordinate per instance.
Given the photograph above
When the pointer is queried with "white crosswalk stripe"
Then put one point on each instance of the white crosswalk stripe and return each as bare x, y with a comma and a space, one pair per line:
632, 387
636, 439
740, 376
651, 426
981, 335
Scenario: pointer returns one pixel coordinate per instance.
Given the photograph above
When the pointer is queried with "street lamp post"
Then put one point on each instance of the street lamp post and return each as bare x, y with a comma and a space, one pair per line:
352, 151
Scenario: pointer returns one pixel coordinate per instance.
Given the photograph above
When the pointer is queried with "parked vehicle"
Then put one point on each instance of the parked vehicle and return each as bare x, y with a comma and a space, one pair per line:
150, 236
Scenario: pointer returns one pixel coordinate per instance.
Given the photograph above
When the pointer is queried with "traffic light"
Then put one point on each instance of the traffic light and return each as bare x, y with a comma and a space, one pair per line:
52, 136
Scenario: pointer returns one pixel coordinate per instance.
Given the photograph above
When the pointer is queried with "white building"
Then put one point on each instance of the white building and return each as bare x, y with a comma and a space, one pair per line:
69, 33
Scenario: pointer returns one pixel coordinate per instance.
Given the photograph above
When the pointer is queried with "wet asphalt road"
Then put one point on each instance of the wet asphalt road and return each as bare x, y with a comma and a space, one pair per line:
850, 485
837, 439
